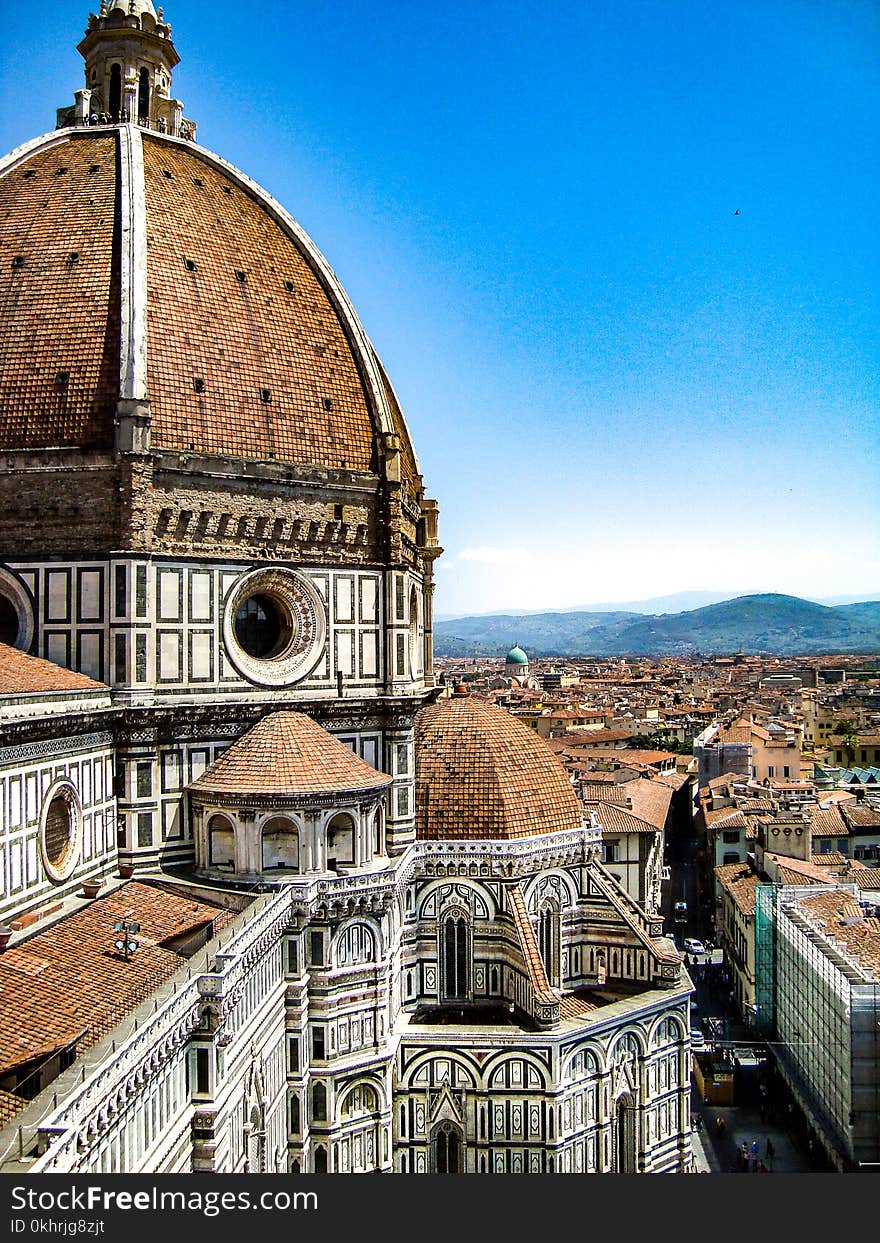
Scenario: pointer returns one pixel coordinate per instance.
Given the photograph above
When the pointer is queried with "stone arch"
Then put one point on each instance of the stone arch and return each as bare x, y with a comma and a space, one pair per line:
221, 841
420, 1071
339, 836
655, 1034
447, 1148
442, 890
586, 1051
356, 941
364, 1098
16, 612
556, 881
280, 844
499, 1061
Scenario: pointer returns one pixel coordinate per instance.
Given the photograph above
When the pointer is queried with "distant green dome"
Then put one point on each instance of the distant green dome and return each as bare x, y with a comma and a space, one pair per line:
516, 656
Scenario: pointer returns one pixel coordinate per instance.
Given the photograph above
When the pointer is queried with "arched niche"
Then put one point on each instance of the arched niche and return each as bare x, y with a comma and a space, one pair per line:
280, 846
221, 842
340, 831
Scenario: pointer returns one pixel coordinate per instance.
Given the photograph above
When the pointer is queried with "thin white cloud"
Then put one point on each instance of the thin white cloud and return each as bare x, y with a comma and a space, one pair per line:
495, 556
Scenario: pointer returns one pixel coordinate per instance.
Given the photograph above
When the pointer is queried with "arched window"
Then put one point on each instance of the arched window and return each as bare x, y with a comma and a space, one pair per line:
115, 91
221, 842
454, 955
256, 1144
415, 655
144, 94
548, 940
294, 1115
625, 1138
280, 845
320, 1160
447, 1149
319, 1102
340, 841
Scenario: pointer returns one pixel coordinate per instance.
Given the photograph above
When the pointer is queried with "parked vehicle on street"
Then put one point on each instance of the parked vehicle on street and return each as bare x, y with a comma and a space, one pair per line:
680, 912
693, 946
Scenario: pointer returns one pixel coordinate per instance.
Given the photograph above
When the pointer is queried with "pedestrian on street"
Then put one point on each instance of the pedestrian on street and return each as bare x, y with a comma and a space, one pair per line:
771, 1151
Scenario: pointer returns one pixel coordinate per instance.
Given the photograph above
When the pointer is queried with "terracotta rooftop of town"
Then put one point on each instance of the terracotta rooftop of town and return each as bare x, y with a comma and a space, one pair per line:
740, 882
288, 754
481, 773
21, 674
68, 983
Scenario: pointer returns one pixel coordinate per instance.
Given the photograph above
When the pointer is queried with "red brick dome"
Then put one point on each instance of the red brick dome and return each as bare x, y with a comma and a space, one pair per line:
135, 265
480, 773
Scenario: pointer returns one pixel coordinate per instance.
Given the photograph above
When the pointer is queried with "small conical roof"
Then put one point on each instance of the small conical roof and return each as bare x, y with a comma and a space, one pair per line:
287, 753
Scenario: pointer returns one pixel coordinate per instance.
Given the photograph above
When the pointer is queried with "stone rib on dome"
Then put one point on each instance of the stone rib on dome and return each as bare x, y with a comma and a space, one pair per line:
286, 754
480, 773
240, 366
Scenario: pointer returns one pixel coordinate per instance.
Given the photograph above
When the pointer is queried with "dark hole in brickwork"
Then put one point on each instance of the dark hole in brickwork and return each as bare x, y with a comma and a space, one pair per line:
289, 286
190, 265
93, 168
166, 173
265, 394
59, 172
327, 403
198, 384
72, 258
28, 172
61, 379
240, 276
18, 261
197, 181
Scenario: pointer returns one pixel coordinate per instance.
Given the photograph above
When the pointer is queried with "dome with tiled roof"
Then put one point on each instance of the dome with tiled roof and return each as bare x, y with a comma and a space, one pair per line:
288, 754
481, 774
137, 267
516, 656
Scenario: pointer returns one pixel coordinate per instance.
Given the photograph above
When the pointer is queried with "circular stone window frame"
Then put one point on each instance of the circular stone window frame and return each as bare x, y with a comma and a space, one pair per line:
62, 788
308, 617
20, 598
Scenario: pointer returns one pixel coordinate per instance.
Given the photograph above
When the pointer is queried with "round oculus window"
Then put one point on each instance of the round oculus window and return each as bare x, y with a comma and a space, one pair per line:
60, 831
274, 626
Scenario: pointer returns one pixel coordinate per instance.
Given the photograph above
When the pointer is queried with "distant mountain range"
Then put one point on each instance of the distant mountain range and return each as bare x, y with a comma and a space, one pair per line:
760, 624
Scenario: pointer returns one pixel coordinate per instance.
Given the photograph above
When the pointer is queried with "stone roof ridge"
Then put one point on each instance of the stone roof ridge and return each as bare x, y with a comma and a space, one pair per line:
529, 946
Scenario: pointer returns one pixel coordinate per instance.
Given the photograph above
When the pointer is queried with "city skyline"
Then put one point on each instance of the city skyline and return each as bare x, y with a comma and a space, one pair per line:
619, 265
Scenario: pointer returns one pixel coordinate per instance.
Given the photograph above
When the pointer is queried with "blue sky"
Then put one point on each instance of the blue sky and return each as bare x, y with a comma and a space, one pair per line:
617, 387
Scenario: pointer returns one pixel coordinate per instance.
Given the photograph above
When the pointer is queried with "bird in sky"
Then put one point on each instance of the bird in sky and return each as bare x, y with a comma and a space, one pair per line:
736, 213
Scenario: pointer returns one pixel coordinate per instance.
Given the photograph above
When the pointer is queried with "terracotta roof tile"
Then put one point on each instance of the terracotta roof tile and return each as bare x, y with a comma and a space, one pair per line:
242, 335
481, 773
59, 296
68, 983
10, 1105
288, 753
741, 883
21, 674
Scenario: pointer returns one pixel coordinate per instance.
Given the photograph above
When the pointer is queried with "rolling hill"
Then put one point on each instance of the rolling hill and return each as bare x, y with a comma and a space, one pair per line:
777, 624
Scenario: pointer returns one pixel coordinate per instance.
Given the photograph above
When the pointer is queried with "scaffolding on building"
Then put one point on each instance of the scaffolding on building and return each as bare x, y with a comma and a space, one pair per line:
766, 898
